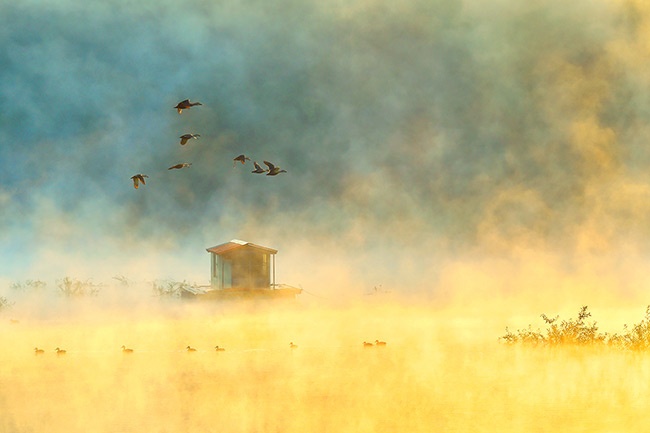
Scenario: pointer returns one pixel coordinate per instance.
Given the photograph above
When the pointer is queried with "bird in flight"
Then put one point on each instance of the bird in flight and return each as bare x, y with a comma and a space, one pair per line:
137, 179
241, 158
179, 166
185, 137
258, 169
185, 105
273, 169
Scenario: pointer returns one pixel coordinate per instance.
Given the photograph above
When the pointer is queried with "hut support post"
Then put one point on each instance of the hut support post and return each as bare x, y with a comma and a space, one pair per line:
273, 277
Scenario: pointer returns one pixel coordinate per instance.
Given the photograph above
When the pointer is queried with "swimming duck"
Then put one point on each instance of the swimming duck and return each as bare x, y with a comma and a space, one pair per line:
241, 158
186, 137
273, 170
190, 349
185, 105
126, 350
179, 166
137, 178
366, 344
258, 169
38, 351
380, 343
60, 351
219, 349
293, 346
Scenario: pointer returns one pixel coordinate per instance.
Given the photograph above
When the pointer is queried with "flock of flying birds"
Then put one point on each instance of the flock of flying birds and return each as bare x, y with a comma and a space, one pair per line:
272, 169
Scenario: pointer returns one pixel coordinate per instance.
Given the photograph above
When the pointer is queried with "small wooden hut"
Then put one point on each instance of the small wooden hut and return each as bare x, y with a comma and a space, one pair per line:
240, 269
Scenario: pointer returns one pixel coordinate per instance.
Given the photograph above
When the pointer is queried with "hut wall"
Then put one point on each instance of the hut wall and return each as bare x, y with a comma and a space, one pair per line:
242, 268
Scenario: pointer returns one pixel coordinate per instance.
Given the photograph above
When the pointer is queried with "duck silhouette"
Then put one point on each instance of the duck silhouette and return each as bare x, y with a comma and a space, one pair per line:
137, 179
186, 137
258, 169
126, 350
273, 169
241, 158
38, 351
179, 166
185, 105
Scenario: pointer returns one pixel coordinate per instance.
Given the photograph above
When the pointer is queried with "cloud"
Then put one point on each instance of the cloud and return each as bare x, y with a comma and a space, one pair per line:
447, 125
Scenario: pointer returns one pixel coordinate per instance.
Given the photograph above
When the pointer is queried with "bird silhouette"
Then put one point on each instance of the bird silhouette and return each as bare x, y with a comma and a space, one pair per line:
241, 158
380, 343
60, 351
185, 105
190, 349
137, 178
179, 166
258, 169
126, 350
185, 137
293, 346
219, 349
366, 344
273, 169
38, 351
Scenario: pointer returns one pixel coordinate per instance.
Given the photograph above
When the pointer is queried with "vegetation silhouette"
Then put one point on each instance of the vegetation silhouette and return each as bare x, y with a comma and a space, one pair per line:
581, 332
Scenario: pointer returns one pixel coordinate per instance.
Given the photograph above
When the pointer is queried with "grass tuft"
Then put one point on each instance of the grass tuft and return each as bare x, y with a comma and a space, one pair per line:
581, 332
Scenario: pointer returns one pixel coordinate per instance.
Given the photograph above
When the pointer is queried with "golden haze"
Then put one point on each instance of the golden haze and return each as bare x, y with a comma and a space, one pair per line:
443, 369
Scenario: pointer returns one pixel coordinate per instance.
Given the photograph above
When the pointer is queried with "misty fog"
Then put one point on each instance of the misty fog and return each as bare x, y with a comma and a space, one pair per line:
453, 167
413, 135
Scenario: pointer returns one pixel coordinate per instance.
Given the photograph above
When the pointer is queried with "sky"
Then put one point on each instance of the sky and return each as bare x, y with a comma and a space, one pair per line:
418, 136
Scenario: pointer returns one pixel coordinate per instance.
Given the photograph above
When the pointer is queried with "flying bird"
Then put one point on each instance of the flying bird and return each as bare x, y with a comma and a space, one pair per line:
273, 170
185, 137
137, 178
258, 169
179, 166
241, 158
185, 105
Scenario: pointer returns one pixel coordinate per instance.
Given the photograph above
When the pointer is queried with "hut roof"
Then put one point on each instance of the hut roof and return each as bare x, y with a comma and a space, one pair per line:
235, 244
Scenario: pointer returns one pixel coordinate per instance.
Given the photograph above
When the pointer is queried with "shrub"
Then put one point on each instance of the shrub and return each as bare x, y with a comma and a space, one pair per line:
70, 287
169, 288
635, 338
579, 332
28, 285
573, 331
4, 303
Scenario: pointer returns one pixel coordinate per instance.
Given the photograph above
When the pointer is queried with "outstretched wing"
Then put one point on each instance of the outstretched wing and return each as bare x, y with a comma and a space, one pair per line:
269, 165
